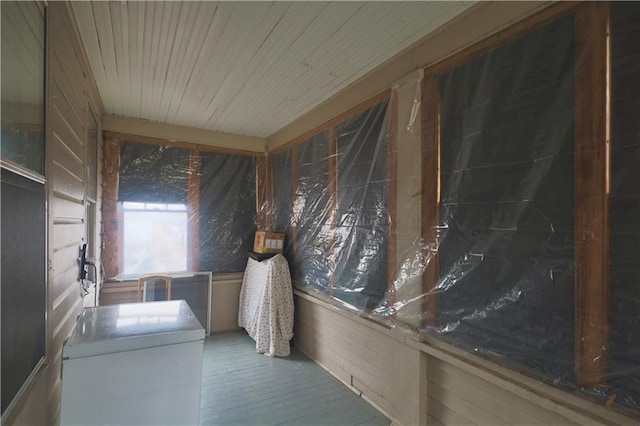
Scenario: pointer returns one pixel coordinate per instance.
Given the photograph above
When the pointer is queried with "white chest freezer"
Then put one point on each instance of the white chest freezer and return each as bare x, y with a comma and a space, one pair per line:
131, 364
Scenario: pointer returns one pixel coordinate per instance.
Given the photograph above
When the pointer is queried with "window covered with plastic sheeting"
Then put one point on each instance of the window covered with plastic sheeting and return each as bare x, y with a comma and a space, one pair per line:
624, 203
311, 216
507, 175
362, 221
227, 211
175, 207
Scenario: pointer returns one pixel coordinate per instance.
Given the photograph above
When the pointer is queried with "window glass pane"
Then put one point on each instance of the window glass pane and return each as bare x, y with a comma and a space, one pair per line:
23, 84
154, 241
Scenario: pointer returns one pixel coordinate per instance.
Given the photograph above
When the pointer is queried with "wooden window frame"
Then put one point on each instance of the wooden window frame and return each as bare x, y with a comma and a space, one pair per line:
591, 175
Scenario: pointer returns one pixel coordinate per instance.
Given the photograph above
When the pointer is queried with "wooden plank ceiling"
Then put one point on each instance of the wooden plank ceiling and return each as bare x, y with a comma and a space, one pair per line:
246, 68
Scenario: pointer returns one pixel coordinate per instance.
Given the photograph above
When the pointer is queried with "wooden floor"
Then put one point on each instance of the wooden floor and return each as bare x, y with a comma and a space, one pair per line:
241, 387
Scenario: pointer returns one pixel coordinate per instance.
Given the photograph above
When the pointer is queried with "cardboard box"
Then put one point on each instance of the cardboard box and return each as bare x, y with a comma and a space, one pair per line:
268, 242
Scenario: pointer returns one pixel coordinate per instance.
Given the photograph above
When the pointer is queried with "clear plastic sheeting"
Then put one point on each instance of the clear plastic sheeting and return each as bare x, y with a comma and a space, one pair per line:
481, 250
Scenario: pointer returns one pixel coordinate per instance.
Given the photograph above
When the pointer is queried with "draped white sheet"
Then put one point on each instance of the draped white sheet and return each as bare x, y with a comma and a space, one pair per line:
266, 305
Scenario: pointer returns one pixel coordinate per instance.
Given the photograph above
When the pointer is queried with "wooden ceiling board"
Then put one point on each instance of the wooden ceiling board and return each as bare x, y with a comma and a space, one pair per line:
247, 68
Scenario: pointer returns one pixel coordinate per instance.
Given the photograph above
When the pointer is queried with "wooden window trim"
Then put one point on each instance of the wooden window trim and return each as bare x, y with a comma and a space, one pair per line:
110, 215
193, 209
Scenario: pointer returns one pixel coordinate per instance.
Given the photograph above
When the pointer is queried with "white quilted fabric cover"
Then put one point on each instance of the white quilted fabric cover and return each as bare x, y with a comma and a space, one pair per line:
266, 305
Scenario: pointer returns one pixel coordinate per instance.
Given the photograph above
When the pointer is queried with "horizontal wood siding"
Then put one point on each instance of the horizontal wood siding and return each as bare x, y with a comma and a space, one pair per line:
454, 394
360, 358
379, 364
369, 361
70, 89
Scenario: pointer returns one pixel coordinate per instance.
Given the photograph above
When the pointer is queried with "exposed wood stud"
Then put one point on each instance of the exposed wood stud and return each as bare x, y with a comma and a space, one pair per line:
591, 197
193, 230
294, 196
110, 216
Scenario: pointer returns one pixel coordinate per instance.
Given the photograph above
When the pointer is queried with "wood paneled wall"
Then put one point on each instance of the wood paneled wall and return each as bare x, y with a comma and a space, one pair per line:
369, 360
430, 383
70, 91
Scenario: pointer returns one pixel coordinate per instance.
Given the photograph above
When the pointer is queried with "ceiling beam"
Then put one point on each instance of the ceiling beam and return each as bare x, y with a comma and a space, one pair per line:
171, 132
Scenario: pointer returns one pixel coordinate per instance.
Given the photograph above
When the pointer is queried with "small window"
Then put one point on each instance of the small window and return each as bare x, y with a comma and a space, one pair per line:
155, 237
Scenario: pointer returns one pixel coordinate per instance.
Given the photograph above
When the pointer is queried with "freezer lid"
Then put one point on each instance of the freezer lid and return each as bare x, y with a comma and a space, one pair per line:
130, 326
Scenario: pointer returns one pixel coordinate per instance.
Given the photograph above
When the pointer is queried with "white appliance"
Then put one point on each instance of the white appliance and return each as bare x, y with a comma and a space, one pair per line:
133, 364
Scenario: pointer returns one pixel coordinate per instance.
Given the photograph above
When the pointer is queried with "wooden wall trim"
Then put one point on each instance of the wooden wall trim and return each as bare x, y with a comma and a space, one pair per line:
110, 216
430, 197
193, 202
179, 144
591, 197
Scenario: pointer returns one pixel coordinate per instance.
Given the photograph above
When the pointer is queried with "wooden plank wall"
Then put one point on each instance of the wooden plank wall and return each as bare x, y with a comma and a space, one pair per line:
368, 360
401, 376
70, 89
458, 397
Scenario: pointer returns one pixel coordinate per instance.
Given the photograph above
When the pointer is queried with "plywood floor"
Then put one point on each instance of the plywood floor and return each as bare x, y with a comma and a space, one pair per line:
241, 387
